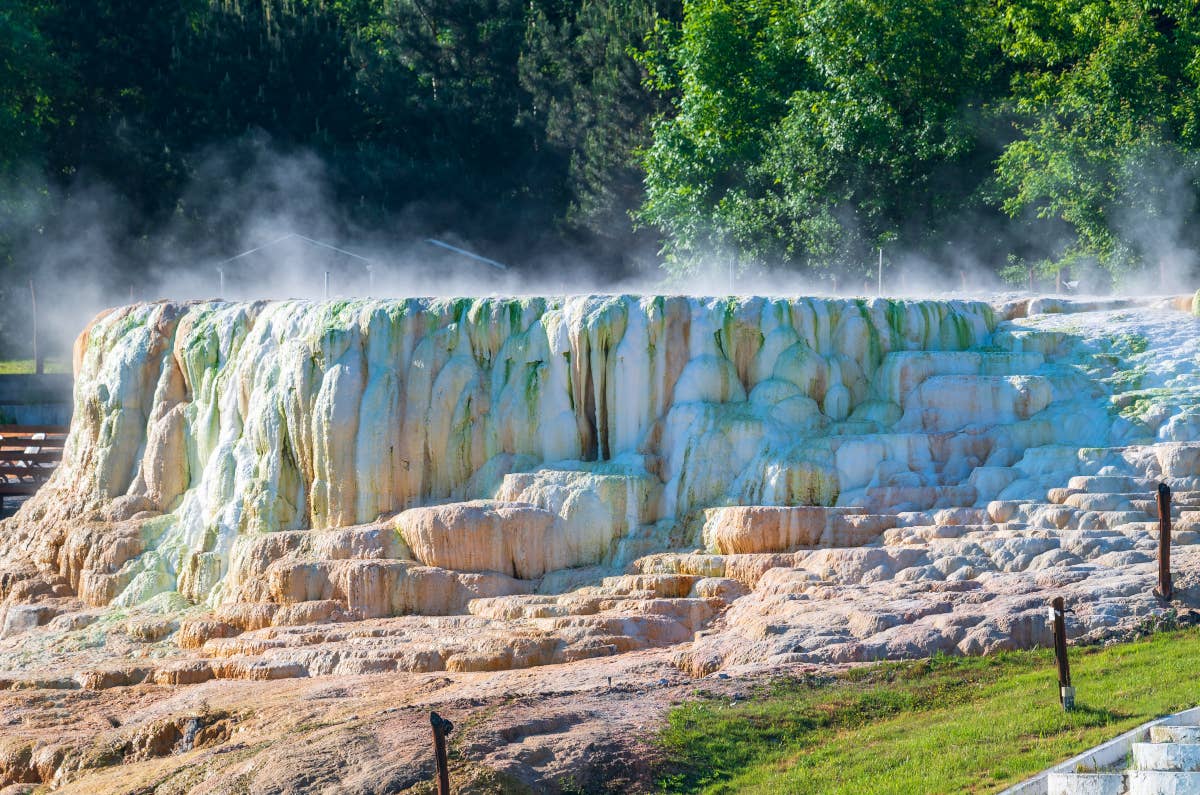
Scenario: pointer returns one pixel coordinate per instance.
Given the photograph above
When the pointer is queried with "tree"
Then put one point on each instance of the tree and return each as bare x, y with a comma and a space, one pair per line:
26, 77
588, 95
809, 130
1107, 106
29, 78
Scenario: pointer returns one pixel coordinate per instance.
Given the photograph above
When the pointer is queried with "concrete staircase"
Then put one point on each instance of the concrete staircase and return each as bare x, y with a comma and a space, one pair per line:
1169, 764
1160, 759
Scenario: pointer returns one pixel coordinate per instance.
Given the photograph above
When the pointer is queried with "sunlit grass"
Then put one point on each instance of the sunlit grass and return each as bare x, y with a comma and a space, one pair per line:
22, 366
948, 725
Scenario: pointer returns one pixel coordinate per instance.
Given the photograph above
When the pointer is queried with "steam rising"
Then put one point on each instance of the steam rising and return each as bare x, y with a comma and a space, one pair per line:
87, 249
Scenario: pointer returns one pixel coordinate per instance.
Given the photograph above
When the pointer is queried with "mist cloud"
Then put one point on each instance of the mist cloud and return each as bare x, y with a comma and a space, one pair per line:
87, 249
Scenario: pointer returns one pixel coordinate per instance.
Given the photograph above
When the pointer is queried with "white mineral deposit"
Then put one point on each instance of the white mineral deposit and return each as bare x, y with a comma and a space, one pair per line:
296, 489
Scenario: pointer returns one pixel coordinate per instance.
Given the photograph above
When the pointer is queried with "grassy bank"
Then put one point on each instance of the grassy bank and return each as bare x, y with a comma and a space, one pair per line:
934, 726
22, 366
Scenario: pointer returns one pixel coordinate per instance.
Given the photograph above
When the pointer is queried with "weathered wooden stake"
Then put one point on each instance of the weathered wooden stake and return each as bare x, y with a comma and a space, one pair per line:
1066, 693
1165, 589
441, 729
39, 364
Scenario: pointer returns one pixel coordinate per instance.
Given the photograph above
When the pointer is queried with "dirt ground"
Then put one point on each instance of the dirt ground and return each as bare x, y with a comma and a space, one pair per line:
580, 727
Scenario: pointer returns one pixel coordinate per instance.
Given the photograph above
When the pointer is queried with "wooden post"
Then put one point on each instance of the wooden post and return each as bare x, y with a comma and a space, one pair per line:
441, 728
39, 364
1031, 280
1066, 693
1165, 589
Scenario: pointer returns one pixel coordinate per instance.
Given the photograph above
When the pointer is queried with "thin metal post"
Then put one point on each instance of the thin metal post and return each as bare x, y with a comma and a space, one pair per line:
1066, 693
326, 285
880, 287
220, 282
38, 363
441, 729
1163, 497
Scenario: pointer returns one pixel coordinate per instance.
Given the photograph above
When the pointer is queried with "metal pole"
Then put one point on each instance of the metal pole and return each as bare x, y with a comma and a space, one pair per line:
441, 728
880, 287
1165, 588
38, 364
326, 285
1066, 693
220, 282
497, 265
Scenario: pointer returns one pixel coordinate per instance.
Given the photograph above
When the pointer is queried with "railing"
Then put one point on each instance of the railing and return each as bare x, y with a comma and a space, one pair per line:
28, 454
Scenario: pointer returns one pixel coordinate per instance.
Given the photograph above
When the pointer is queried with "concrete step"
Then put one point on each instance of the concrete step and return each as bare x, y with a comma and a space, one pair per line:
1172, 756
1085, 784
1155, 782
1175, 734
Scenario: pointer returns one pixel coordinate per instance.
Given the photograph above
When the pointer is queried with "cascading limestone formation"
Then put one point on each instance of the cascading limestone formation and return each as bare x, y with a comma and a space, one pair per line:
226, 421
260, 466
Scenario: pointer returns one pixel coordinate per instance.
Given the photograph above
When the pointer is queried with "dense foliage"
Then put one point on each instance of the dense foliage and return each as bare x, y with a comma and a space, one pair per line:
795, 134
809, 132
494, 119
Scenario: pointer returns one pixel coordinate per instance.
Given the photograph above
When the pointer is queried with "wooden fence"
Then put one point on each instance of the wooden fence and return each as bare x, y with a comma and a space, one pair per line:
28, 454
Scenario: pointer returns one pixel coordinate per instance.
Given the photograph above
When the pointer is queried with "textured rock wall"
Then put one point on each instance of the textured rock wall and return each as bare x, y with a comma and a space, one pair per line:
209, 424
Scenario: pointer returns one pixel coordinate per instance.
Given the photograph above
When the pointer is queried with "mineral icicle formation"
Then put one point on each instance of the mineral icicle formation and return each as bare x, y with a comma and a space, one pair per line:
294, 488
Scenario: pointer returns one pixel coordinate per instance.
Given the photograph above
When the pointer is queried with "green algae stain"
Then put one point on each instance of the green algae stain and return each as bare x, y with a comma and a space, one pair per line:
1126, 345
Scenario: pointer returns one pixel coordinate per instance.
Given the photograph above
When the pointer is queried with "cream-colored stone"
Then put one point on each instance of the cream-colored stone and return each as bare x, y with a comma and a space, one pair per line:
517, 539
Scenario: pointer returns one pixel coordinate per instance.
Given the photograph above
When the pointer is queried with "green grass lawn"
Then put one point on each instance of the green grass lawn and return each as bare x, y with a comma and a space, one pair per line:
947, 725
19, 366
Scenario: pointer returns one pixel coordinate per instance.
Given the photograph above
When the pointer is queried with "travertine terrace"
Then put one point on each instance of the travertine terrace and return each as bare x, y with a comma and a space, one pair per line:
299, 490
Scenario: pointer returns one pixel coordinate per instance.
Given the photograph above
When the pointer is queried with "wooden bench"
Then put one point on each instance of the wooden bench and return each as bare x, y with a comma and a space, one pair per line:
28, 454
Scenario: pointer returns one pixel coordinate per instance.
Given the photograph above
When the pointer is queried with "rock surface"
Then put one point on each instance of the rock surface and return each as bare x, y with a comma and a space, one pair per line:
271, 496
